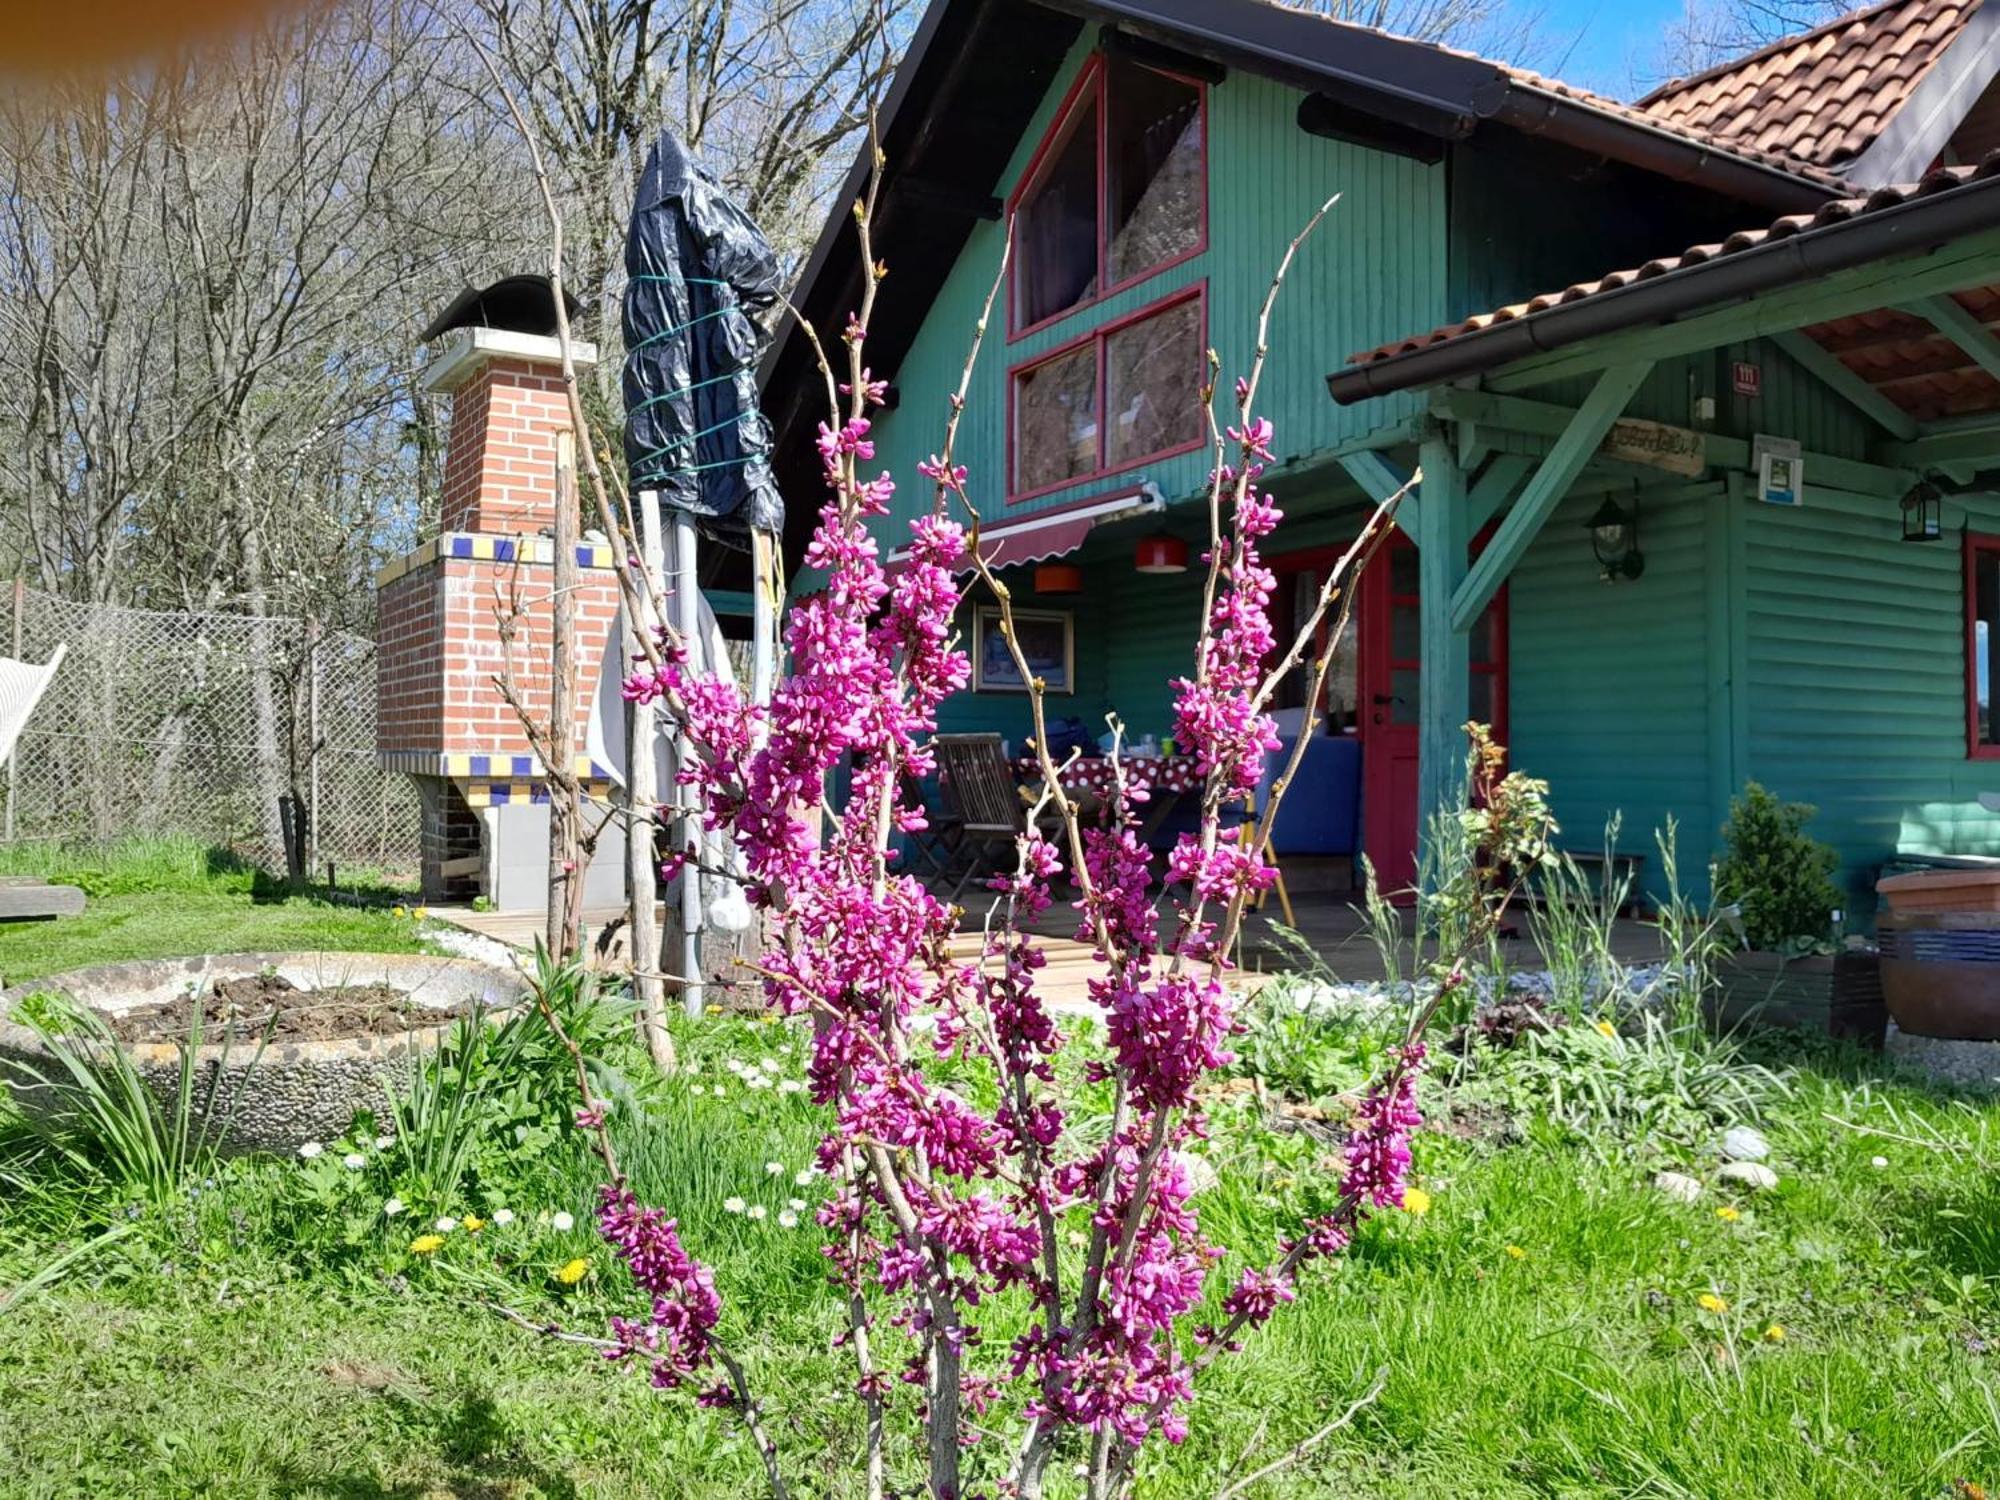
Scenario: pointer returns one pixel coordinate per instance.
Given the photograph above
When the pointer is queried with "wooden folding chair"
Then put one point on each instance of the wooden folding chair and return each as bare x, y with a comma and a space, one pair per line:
982, 801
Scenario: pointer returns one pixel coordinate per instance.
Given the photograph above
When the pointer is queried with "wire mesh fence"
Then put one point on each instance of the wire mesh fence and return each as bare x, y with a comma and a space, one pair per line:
200, 724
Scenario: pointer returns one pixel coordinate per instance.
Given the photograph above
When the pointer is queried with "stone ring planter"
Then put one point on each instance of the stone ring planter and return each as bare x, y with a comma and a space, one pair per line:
295, 1091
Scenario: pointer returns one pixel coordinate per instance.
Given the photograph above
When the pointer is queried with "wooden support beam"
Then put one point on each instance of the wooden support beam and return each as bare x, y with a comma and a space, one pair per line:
1941, 447
1444, 688
1379, 479
1830, 371
1961, 327
1969, 262
1547, 419
1494, 487
1545, 491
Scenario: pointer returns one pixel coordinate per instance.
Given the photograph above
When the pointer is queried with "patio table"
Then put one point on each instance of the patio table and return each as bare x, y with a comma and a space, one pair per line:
1161, 781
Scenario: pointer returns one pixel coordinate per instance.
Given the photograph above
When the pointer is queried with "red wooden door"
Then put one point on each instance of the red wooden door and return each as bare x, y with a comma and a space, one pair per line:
1391, 673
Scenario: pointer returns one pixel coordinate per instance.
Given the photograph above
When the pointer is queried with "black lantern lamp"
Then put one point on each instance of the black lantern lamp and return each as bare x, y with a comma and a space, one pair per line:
1923, 513
1614, 537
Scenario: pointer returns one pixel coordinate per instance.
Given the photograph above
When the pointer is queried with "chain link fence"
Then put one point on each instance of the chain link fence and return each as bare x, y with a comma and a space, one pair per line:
199, 724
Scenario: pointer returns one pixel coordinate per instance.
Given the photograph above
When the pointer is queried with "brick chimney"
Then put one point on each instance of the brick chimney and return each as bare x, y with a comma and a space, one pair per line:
439, 650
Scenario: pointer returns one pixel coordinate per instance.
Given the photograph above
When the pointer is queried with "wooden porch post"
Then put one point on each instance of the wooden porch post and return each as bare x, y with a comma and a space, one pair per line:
1444, 692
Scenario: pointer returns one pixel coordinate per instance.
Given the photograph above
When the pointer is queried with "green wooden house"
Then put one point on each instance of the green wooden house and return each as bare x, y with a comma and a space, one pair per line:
1716, 518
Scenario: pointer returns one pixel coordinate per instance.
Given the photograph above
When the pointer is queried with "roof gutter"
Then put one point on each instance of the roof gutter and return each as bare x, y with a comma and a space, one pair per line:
1920, 224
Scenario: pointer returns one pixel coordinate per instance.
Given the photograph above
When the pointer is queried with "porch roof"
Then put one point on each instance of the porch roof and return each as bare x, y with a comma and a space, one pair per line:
1905, 360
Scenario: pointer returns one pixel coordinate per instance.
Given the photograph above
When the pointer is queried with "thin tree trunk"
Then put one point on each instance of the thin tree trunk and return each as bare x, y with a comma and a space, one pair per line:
565, 814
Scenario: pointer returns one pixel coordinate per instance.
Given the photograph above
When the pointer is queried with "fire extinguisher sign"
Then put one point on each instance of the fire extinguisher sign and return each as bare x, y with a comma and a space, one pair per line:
1747, 378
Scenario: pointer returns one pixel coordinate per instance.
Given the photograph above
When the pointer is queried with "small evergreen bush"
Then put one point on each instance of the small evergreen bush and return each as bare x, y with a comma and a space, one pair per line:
1777, 874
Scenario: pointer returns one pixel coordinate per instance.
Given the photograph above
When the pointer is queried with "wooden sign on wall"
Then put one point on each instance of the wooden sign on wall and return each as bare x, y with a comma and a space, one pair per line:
1655, 444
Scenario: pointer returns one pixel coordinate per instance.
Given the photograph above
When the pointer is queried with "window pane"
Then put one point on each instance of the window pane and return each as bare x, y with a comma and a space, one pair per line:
1154, 371
1055, 420
1153, 152
1985, 625
1055, 228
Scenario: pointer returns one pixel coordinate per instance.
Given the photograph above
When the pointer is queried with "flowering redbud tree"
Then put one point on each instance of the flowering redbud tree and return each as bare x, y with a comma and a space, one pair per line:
941, 1205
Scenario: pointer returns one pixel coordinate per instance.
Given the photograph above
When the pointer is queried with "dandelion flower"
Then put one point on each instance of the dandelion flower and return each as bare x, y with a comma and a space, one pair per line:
563, 1222
775, 1168
1604, 1028
1727, 1214
445, 1225
573, 1271
473, 1223
503, 1217
803, 1177
421, 913
393, 1207
1416, 1201
399, 910
1515, 1252
427, 1244
1775, 1334
755, 1211
354, 1161
1709, 1302
714, 1010
788, 1220
310, 1149
732, 1205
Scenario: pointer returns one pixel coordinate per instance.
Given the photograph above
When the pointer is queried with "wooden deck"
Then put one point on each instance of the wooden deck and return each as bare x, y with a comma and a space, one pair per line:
1334, 932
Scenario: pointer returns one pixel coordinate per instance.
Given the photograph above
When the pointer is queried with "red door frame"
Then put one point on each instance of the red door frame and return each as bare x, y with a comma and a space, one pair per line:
1389, 749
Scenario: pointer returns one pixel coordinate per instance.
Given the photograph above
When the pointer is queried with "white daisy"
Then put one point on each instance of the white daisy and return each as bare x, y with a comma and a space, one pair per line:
310, 1149
445, 1225
775, 1168
732, 1205
384, 1142
796, 1205
354, 1161
803, 1177
791, 1086
757, 1081
788, 1220
769, 1065
563, 1222
503, 1216
393, 1207
755, 1211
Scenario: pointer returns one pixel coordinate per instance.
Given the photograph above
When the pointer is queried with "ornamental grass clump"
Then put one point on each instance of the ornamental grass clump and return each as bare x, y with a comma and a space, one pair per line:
942, 1200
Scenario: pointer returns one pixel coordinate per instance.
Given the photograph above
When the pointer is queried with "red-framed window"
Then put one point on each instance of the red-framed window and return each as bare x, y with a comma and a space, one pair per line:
1123, 394
1116, 192
1982, 638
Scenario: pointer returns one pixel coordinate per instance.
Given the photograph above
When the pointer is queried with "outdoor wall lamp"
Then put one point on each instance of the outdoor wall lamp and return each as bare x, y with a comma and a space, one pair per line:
1614, 537
1058, 578
1923, 513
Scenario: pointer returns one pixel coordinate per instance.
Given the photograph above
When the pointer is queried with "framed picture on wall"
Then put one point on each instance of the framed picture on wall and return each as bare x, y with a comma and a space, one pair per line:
1048, 641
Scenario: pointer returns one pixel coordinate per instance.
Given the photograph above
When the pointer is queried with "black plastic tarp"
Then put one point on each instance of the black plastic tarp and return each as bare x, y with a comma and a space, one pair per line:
697, 268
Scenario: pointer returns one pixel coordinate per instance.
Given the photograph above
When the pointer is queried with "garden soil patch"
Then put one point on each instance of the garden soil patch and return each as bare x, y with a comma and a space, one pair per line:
251, 1004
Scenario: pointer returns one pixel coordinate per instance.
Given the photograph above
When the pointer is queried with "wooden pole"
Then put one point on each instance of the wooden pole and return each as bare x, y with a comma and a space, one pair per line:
685, 603
14, 755
1444, 690
565, 843
642, 883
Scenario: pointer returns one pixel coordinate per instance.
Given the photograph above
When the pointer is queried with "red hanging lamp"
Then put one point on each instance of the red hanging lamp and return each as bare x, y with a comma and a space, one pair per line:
1058, 578
1161, 553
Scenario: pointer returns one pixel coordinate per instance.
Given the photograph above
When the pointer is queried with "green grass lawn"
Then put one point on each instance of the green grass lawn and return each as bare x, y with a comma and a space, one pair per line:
1539, 1330
169, 897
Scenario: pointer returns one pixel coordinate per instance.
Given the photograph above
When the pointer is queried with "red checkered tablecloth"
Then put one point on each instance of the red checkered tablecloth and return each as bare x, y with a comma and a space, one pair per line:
1173, 773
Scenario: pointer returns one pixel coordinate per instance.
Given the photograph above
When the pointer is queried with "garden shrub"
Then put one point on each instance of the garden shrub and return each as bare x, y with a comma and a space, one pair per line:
1779, 876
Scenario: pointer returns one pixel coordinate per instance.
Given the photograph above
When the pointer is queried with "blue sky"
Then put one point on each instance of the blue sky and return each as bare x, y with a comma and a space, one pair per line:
1610, 43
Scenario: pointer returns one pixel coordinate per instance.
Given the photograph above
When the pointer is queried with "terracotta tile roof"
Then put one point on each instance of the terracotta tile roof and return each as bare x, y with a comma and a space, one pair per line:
1839, 210
1820, 97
